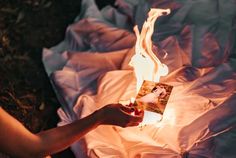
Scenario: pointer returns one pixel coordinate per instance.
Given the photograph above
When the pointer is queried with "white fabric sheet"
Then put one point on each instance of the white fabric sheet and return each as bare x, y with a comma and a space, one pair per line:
89, 69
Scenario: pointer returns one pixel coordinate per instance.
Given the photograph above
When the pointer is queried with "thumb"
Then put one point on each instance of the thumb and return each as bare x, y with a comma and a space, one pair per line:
127, 109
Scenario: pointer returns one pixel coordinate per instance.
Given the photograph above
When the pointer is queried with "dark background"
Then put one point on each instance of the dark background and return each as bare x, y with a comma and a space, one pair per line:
26, 26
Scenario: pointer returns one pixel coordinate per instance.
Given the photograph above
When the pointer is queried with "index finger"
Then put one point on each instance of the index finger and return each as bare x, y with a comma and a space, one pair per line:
127, 109
135, 118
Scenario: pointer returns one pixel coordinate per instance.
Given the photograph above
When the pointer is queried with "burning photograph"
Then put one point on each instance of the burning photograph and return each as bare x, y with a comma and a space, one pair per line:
153, 96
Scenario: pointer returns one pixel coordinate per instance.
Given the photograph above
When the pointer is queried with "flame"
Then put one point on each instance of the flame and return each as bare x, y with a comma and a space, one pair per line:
145, 63
132, 100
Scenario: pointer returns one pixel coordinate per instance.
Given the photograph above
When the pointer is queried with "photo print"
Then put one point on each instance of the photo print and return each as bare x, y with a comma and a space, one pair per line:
153, 96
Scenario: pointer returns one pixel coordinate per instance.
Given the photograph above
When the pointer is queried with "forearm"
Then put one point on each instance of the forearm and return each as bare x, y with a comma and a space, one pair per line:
17, 141
59, 138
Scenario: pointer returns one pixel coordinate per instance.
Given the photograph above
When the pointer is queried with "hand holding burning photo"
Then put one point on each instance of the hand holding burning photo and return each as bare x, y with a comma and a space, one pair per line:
120, 115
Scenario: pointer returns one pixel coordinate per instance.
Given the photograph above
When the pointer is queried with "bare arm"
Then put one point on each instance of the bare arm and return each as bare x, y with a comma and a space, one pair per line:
17, 141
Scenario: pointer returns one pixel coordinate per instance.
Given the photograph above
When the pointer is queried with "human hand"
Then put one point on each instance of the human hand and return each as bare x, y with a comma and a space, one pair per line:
119, 115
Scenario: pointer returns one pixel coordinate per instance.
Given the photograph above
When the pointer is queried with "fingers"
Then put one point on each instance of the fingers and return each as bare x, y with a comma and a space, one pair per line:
120, 115
127, 109
139, 112
132, 120
135, 118
133, 124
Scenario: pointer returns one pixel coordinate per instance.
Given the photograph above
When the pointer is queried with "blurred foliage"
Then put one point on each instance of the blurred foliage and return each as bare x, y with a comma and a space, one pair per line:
26, 26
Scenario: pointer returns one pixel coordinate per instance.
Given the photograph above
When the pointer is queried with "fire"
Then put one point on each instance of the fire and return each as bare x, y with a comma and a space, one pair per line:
145, 63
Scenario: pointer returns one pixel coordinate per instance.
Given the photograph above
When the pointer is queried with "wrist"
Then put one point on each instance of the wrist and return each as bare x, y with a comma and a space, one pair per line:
99, 116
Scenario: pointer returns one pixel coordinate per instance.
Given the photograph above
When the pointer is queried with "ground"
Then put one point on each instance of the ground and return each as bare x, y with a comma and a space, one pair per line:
26, 26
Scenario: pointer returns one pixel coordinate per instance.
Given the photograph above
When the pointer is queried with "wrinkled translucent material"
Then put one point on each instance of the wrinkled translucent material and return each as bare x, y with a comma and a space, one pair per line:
89, 69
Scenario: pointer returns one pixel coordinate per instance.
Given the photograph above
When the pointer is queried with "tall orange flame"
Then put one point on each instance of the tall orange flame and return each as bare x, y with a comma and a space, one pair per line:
145, 63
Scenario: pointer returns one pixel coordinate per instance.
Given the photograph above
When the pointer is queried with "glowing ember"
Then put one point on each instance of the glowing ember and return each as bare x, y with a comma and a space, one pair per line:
145, 63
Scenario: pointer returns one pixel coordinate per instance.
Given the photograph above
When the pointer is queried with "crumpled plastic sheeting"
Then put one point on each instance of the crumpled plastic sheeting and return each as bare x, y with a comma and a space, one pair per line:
89, 69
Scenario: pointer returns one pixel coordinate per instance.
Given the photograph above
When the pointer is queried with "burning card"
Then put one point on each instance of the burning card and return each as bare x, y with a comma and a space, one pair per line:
153, 96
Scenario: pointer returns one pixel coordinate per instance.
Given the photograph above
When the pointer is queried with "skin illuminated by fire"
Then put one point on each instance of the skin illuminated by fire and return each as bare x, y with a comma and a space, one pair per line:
145, 63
